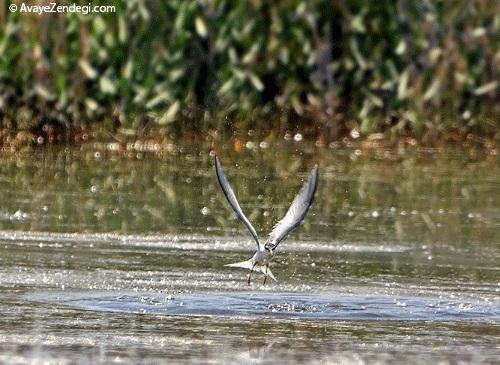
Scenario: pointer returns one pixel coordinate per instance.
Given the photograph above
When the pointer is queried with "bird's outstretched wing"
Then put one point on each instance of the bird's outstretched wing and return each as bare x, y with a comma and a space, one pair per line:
296, 213
231, 198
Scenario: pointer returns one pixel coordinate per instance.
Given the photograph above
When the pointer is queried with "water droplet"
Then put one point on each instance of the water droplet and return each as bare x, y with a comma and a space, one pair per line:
263, 145
205, 211
19, 215
375, 214
298, 137
250, 145
115, 146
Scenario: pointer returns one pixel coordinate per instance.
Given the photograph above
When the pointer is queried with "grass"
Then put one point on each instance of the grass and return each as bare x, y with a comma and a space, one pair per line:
387, 70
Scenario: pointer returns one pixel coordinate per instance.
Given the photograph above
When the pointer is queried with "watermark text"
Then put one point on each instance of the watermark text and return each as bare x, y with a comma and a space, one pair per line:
55, 8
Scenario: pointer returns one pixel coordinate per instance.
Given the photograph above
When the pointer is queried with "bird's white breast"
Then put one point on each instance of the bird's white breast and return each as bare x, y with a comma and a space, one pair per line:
262, 257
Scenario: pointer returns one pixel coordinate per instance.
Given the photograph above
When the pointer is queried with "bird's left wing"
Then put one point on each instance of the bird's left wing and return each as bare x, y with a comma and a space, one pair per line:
296, 213
231, 198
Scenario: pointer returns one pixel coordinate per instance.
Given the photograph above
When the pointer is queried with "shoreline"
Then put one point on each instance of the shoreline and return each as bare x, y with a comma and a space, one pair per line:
16, 142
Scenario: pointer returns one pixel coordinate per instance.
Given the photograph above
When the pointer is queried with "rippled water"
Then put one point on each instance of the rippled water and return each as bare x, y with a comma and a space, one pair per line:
109, 256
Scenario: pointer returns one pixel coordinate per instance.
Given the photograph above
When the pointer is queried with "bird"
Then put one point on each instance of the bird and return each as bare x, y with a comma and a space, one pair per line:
292, 219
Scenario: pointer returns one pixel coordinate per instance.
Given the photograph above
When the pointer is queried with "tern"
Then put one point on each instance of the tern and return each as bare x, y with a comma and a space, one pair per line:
292, 219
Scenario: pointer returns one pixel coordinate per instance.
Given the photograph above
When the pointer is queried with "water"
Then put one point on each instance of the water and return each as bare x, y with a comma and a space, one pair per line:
109, 256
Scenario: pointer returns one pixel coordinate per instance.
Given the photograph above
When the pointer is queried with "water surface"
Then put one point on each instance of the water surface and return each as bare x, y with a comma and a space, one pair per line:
119, 256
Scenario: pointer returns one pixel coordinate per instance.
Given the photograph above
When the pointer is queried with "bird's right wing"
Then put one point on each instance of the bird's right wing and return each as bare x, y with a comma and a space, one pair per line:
231, 198
296, 213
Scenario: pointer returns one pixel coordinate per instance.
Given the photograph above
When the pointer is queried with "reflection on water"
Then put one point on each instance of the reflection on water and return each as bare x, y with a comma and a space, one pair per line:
99, 249
369, 196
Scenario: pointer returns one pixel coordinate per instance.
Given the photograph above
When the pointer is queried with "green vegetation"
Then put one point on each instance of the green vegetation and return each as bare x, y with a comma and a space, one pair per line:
385, 69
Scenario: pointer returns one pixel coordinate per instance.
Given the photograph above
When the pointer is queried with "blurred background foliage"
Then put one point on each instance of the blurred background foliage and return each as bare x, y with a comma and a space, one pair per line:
325, 68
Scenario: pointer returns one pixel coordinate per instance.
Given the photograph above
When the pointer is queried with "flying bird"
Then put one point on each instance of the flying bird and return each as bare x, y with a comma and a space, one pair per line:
292, 219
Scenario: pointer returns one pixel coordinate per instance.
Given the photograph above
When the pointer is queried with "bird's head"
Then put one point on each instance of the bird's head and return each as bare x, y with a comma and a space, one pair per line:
270, 247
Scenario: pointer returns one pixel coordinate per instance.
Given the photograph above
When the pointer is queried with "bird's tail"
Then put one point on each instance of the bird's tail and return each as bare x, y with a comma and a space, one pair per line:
248, 264
267, 272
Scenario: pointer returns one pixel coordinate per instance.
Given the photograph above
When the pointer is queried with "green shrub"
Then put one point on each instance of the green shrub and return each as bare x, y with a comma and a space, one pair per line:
407, 68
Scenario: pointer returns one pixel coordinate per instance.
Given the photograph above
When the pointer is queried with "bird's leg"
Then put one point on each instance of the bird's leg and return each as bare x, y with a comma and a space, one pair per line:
265, 275
250, 274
